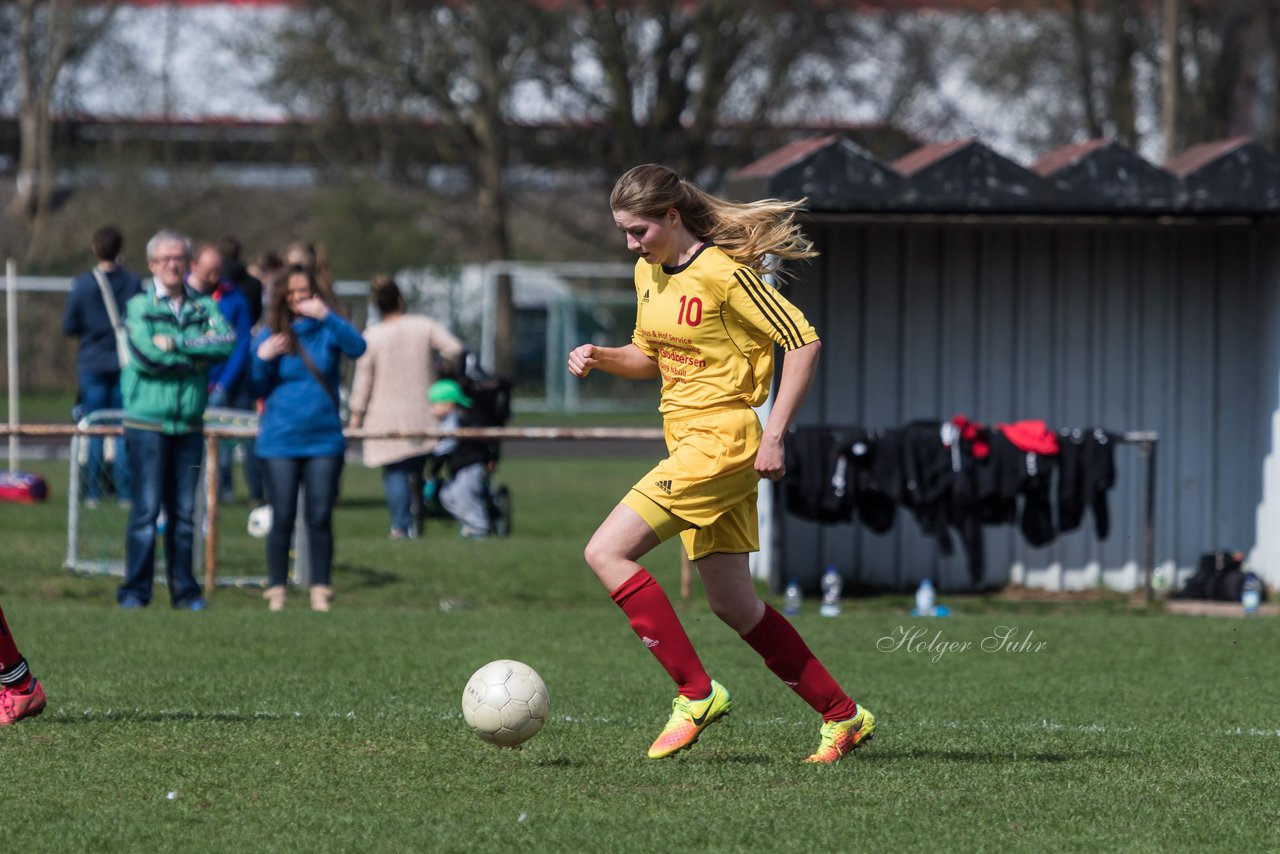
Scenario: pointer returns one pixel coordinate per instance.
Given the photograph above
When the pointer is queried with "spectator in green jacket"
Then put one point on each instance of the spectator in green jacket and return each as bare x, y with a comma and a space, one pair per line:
174, 334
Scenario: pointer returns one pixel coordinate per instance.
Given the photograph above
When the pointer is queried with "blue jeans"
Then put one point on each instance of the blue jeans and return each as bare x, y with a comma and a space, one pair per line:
319, 479
166, 474
102, 391
402, 486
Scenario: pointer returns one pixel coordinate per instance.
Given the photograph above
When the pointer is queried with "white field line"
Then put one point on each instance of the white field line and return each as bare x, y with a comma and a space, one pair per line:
1044, 724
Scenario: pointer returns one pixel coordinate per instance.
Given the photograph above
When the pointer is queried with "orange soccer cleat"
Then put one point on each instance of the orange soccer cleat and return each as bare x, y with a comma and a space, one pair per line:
840, 738
688, 719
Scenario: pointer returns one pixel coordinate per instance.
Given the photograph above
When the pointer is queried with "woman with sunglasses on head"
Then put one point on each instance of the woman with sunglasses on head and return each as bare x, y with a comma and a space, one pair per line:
296, 370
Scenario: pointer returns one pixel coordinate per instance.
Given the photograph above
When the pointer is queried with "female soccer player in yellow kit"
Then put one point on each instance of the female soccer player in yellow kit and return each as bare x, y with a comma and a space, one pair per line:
706, 323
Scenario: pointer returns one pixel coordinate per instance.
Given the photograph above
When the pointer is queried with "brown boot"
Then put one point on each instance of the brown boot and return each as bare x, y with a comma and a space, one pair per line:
275, 597
321, 597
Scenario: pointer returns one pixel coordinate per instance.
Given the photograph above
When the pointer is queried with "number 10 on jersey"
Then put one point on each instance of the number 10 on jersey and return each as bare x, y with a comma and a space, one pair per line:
690, 311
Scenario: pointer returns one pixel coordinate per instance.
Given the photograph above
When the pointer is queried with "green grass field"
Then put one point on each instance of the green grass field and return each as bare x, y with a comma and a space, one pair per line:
239, 730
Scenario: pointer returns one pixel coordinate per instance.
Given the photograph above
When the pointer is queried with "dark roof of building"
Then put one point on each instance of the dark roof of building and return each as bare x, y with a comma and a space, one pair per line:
1068, 155
929, 155
787, 155
1199, 156
826, 170
1100, 176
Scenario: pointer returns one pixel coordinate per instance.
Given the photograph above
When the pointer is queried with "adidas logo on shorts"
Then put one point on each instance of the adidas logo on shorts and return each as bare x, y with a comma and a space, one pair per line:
664, 485
645, 298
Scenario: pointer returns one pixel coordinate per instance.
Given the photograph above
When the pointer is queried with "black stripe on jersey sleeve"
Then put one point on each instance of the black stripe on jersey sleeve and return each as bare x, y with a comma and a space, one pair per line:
771, 313
767, 302
770, 294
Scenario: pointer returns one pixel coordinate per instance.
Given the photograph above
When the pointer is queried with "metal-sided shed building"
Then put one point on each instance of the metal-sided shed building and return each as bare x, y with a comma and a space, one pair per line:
1094, 289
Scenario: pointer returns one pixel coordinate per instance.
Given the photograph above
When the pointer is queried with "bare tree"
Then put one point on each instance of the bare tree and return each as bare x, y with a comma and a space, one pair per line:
1096, 69
1270, 80
378, 70
891, 63
8, 41
674, 80
1105, 45
49, 37
1052, 68
1222, 52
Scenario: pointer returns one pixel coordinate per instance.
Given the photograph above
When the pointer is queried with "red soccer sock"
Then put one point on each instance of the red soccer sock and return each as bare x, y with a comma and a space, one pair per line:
13, 668
787, 655
655, 622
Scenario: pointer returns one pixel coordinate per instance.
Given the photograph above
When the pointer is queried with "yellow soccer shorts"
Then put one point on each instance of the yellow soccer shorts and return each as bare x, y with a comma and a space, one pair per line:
706, 489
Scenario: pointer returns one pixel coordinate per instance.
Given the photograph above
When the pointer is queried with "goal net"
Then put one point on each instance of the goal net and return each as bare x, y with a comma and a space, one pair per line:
98, 507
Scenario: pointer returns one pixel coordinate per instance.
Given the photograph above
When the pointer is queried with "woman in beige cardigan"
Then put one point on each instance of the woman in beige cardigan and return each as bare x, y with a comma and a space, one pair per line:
390, 394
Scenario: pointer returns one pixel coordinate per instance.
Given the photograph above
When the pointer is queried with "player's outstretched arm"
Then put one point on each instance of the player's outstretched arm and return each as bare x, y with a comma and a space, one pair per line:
798, 369
628, 362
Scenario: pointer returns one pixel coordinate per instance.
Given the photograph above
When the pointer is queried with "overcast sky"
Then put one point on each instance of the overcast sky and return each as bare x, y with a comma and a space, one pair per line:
208, 78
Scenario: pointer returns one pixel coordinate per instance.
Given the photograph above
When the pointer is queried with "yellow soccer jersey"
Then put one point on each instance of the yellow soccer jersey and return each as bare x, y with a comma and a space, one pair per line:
711, 325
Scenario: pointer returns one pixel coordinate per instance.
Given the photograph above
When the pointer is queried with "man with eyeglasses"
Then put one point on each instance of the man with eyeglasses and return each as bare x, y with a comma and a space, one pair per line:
175, 332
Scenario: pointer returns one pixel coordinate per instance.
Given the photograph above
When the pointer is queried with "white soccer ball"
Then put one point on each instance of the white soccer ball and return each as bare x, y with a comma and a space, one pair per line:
260, 521
505, 703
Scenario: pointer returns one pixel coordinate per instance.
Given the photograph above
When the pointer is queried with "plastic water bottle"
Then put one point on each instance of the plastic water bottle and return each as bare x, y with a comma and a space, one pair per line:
832, 584
1252, 596
924, 600
791, 599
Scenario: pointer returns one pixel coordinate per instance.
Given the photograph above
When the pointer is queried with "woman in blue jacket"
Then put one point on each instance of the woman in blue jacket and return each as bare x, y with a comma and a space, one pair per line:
296, 362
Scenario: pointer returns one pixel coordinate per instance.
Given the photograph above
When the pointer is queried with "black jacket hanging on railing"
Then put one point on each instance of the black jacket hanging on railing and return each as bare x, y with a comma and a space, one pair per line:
820, 481
956, 475
1087, 471
877, 484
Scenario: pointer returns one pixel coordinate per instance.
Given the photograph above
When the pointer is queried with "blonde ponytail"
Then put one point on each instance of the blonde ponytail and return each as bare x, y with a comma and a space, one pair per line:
761, 235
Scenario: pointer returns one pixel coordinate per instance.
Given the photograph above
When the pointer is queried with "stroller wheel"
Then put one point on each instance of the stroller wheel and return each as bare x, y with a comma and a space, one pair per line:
501, 499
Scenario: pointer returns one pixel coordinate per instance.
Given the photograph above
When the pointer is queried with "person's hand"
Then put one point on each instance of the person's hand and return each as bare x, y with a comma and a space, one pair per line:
355, 420
163, 342
771, 459
582, 359
273, 346
312, 307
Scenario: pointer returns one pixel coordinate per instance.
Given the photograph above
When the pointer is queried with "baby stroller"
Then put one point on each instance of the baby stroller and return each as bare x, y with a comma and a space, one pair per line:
490, 407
